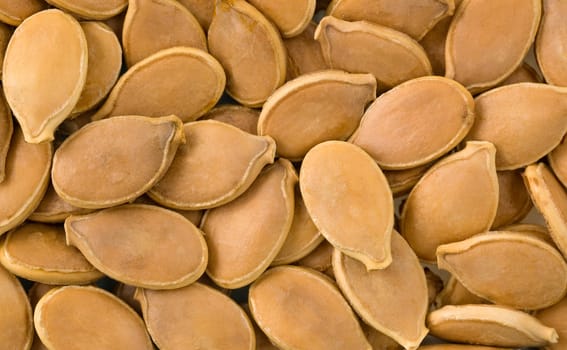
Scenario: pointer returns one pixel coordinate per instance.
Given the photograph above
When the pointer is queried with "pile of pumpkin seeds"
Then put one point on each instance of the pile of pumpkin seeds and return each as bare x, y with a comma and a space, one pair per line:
283, 174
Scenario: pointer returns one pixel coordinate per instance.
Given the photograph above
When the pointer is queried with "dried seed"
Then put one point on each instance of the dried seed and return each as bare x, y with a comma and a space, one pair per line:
16, 317
14, 12
304, 53
555, 316
244, 118
6, 131
455, 293
514, 201
291, 17
203, 10
550, 42
53, 209
90, 9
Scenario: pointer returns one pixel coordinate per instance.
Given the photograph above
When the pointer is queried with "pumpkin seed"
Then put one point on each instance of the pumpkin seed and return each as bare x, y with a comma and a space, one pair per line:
304, 53
14, 12
291, 17
16, 317
514, 201
549, 45
555, 316
244, 118
90, 9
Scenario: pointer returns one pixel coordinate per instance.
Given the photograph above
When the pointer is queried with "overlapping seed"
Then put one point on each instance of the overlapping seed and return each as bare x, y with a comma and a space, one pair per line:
91, 9
14, 12
53, 209
290, 16
203, 10
514, 201
304, 53
242, 117
550, 42
6, 130
555, 316
16, 317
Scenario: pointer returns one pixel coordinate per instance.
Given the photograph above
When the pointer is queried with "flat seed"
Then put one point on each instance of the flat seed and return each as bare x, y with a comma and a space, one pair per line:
405, 16
16, 317
37, 291
113, 161
402, 181
314, 108
244, 118
303, 236
489, 325
5, 35
105, 61
533, 230
363, 47
434, 285
371, 294
38, 253
154, 25
507, 268
229, 230
455, 293
523, 74
431, 114
6, 130
250, 49
304, 53
25, 183
533, 113
45, 68
378, 340
126, 293
91, 9
456, 347
14, 12
194, 317
558, 161
556, 317
53, 209
140, 245
349, 200
500, 46
291, 17
183, 81
215, 150
514, 201
287, 296
203, 10
550, 42
320, 259
550, 198
192, 215
88, 318
456, 199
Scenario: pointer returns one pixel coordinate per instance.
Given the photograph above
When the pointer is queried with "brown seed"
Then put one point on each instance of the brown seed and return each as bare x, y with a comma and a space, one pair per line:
304, 53
370, 294
507, 268
126, 293
263, 215
91, 9
320, 258
455, 293
16, 317
113, 161
53, 209
26, 180
402, 181
431, 115
314, 108
405, 15
37, 291
363, 47
216, 150
140, 245
244, 118
523, 74
45, 68
291, 17
203, 10
89, 318
558, 161
456, 347
456, 199
302, 309
378, 340
14, 12
514, 201
550, 42
250, 49
154, 25
195, 316
38, 253
5, 35
434, 285
490, 325
497, 52
533, 113
6, 130
349, 200
556, 317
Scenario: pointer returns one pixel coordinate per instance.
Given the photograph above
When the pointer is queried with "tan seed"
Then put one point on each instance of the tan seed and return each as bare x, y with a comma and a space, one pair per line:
6, 131
456, 347
91, 9
550, 42
558, 161
244, 118
291, 17
16, 317
402, 181
5, 35
203, 10
320, 259
556, 317
53, 209
523, 74
14, 12
514, 201
455, 293
304, 53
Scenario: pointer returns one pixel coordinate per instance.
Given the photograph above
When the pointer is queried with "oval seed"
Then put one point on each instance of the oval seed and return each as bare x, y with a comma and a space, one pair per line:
6, 131
456, 199
126, 293
53, 209
91, 9
14, 12
192, 215
37, 291
291, 17
402, 181
183, 81
38, 253
86, 318
203, 10
286, 297
5, 35
154, 25
558, 161
550, 42
313, 108
369, 293
262, 215
320, 259
523, 74
303, 236
141, 245
195, 317
500, 46
113, 161
349, 200
250, 49
244, 118
25, 183
550, 198
406, 16
16, 317
490, 325
378, 340
304, 53
455, 293
363, 47
44, 72
456, 347
105, 61
215, 150
434, 43
556, 317
519, 271
434, 285
431, 115
514, 201
533, 113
